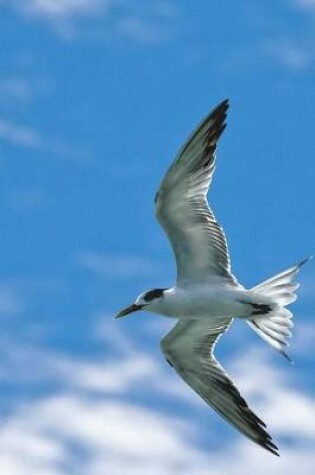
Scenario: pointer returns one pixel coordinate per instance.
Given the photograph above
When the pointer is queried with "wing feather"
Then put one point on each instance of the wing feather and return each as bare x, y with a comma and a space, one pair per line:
189, 349
198, 241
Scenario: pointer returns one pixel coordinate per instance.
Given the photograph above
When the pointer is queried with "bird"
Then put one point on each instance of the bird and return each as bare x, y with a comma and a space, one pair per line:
207, 296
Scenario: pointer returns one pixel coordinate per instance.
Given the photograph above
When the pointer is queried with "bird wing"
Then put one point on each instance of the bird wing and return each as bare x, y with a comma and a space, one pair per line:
198, 241
188, 347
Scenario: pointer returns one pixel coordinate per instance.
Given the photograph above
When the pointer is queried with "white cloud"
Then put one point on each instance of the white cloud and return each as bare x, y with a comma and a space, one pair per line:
96, 420
59, 9
120, 375
19, 135
308, 5
73, 432
143, 22
291, 50
115, 437
110, 376
117, 266
147, 22
21, 89
23, 136
304, 337
294, 56
288, 409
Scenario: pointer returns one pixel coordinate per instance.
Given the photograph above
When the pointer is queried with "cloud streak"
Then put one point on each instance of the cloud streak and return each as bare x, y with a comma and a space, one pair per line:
307, 5
116, 266
96, 421
293, 56
19, 135
141, 22
59, 9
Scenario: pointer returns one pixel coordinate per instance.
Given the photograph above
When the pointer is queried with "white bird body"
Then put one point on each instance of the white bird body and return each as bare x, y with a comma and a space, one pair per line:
206, 301
207, 296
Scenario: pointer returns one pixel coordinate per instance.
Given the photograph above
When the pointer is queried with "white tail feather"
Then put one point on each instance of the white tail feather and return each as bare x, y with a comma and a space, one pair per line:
274, 326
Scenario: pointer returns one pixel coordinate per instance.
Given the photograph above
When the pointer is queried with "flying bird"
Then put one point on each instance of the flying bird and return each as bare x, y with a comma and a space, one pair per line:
207, 296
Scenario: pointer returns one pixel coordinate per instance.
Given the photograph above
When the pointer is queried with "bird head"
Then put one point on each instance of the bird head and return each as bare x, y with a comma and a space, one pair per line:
145, 301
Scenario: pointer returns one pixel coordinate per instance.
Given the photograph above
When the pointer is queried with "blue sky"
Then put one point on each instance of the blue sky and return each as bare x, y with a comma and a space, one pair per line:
96, 98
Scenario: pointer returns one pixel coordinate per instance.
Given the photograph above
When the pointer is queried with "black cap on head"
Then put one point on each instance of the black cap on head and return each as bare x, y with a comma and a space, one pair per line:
153, 294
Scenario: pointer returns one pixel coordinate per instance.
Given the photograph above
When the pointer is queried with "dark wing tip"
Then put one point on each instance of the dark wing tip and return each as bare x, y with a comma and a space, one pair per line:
217, 118
286, 355
261, 437
210, 129
271, 447
216, 124
304, 261
207, 133
223, 106
219, 112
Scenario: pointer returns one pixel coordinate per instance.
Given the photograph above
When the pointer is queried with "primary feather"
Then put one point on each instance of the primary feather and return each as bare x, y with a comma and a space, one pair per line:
198, 241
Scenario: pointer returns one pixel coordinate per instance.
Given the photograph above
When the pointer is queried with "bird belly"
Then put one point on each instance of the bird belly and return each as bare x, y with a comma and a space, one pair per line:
210, 301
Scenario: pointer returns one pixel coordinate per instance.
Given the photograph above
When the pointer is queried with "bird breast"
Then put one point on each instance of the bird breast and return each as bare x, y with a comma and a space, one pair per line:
202, 300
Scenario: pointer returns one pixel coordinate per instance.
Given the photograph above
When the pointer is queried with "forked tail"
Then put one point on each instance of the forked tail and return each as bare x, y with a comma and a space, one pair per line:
274, 326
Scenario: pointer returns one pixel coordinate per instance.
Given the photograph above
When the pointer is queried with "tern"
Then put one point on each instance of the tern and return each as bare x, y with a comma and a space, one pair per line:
207, 296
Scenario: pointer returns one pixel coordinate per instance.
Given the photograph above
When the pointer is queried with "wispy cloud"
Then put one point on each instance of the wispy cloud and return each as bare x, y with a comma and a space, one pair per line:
308, 5
115, 376
304, 337
141, 22
147, 23
291, 55
286, 407
294, 51
19, 135
24, 87
70, 433
72, 430
290, 49
112, 266
59, 9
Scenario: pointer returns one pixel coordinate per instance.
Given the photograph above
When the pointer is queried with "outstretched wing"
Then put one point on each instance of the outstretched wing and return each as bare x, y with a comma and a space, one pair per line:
197, 239
189, 349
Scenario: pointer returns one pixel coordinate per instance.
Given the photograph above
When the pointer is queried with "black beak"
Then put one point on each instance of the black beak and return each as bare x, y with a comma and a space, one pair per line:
132, 308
